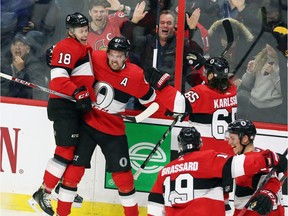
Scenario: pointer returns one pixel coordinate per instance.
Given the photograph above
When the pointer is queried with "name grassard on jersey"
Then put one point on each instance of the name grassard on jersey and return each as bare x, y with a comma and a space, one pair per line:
186, 166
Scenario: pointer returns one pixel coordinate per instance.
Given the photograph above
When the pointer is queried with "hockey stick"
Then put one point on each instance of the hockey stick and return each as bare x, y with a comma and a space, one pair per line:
32, 85
264, 22
229, 34
155, 51
159, 143
150, 110
282, 180
261, 186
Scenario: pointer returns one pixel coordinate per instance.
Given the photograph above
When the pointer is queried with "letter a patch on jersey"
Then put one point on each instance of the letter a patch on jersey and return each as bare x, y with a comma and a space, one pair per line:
124, 81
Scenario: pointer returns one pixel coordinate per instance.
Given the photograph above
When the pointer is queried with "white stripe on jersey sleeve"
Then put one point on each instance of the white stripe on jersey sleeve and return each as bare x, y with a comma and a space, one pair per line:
179, 103
212, 193
151, 99
82, 70
155, 209
59, 72
237, 166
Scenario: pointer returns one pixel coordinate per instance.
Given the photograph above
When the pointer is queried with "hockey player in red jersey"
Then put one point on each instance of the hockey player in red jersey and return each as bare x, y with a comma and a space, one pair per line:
72, 75
241, 134
192, 183
116, 80
212, 104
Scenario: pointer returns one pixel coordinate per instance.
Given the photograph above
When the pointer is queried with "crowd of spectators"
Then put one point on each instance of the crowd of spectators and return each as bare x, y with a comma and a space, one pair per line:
29, 27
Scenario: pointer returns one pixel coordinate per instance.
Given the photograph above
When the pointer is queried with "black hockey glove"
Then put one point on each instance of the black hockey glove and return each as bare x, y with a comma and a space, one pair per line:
83, 100
263, 202
195, 59
49, 53
157, 79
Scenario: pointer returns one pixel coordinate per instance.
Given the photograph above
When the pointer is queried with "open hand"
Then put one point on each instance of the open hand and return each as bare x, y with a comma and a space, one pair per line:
251, 66
139, 12
115, 5
193, 19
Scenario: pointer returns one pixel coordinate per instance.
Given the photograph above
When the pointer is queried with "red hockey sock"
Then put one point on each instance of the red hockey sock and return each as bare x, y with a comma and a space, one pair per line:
131, 211
53, 173
65, 200
129, 203
64, 208
50, 181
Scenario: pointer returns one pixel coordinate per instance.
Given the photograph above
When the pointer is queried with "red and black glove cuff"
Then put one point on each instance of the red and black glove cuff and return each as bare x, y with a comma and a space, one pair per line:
80, 93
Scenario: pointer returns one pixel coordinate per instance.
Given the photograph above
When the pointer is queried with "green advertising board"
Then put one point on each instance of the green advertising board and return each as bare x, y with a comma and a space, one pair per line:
142, 138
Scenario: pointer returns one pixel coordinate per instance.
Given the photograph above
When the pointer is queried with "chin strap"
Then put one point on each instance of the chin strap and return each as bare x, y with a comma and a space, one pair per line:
244, 146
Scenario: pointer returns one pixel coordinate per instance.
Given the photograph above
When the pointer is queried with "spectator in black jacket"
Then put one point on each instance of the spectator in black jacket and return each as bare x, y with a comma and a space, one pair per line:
21, 63
164, 41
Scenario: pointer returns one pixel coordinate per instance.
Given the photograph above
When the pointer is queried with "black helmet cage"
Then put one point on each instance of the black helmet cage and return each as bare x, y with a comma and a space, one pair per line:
218, 66
76, 20
189, 139
243, 127
119, 44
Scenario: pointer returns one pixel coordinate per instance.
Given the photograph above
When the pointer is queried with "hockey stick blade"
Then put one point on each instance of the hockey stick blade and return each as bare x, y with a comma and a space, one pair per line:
143, 115
261, 186
229, 34
150, 110
159, 143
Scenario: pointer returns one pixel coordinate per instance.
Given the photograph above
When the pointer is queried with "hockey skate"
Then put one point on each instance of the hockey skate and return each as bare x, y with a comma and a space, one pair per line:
78, 200
41, 198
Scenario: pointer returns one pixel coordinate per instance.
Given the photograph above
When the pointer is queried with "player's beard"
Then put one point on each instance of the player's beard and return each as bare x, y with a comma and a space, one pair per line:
115, 66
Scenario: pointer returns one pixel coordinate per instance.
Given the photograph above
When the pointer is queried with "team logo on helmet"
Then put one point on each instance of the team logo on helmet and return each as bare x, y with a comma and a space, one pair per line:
212, 60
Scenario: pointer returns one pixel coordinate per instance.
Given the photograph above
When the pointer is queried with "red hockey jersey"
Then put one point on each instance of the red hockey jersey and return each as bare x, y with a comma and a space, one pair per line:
71, 67
191, 184
248, 184
210, 108
113, 90
99, 40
